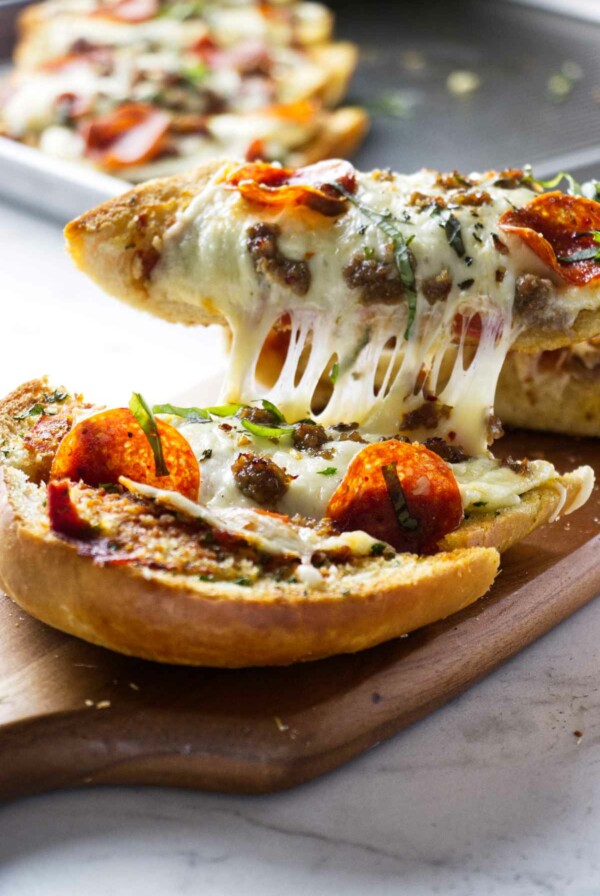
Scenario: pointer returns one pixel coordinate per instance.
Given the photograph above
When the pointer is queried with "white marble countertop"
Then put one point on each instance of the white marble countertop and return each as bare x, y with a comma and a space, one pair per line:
494, 794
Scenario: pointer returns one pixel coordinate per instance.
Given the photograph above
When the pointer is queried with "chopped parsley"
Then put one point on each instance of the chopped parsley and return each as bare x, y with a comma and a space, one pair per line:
328, 471
34, 411
335, 372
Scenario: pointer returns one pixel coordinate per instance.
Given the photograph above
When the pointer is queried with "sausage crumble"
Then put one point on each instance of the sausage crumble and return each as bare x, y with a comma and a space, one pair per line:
269, 261
260, 478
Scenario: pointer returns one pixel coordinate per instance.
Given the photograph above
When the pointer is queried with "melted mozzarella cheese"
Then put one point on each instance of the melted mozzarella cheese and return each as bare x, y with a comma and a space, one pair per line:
332, 322
272, 535
483, 482
487, 484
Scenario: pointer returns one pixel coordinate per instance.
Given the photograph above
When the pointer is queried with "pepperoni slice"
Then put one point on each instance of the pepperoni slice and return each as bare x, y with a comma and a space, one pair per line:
558, 228
401, 493
63, 514
132, 134
111, 444
286, 187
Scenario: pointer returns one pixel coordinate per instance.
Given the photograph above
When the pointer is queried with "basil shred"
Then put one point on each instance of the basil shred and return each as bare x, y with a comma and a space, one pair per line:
145, 418
590, 189
265, 430
396, 495
452, 229
192, 415
402, 256
592, 253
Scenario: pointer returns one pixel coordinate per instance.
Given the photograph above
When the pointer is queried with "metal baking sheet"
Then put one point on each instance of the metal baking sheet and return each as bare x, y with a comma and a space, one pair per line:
408, 52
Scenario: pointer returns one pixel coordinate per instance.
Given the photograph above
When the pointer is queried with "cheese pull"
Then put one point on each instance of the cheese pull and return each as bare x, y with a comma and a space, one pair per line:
359, 266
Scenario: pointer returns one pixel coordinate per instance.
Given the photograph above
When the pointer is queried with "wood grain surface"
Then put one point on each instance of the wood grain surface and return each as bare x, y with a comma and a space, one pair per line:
72, 714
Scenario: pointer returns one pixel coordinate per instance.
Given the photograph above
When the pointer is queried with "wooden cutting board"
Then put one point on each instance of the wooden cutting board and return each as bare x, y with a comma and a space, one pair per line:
72, 714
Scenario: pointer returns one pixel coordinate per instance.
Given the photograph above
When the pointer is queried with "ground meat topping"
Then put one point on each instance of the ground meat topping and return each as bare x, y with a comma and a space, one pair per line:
425, 417
474, 198
309, 436
259, 415
423, 200
532, 296
269, 261
452, 454
454, 181
437, 288
517, 466
378, 281
494, 428
260, 478
353, 436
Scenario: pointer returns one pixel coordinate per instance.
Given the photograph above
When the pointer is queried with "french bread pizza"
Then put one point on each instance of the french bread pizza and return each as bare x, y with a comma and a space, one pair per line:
140, 88
554, 391
299, 523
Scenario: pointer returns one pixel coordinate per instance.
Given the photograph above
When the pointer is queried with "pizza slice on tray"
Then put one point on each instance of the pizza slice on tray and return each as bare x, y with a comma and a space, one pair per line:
133, 98
60, 27
295, 524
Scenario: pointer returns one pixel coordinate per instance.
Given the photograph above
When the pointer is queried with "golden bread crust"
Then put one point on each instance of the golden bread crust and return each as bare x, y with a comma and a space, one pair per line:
507, 527
175, 618
564, 399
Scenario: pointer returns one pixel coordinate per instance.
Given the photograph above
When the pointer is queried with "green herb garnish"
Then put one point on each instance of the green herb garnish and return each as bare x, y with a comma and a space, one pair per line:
590, 189
145, 418
386, 222
206, 454
182, 9
592, 253
328, 471
243, 580
225, 410
34, 411
396, 495
269, 406
378, 548
192, 415
55, 397
452, 228
335, 372
195, 74
266, 431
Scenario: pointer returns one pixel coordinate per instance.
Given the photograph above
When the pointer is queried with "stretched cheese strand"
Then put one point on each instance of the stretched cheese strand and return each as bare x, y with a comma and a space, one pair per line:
206, 261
